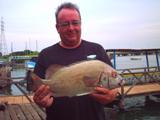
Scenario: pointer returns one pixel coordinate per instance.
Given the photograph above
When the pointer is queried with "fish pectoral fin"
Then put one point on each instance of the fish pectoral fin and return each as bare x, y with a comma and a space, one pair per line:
90, 81
35, 80
47, 82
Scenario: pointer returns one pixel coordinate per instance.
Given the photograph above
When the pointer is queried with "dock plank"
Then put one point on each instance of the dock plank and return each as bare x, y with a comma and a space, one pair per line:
19, 99
19, 112
7, 115
41, 112
32, 112
26, 112
2, 117
12, 112
149, 88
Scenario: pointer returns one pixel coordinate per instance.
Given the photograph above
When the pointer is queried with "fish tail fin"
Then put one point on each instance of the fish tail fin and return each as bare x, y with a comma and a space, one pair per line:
33, 81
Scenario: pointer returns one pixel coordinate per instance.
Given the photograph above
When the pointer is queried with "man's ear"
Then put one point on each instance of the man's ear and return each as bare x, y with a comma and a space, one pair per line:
57, 27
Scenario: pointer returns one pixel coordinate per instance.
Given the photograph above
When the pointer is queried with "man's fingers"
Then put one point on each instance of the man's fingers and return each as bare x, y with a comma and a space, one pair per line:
43, 96
50, 101
42, 91
39, 90
104, 95
45, 92
47, 101
101, 90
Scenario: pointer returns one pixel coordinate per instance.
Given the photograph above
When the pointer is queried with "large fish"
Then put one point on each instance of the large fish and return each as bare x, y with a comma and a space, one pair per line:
79, 78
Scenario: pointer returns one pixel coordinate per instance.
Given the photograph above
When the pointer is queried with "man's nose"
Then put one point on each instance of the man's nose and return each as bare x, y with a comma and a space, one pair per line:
70, 26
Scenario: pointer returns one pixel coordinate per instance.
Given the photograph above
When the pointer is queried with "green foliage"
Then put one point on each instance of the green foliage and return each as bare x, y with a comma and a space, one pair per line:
25, 52
19, 61
20, 53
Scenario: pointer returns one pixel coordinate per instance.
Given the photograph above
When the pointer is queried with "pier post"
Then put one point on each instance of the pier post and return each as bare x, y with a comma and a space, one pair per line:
114, 58
157, 59
147, 61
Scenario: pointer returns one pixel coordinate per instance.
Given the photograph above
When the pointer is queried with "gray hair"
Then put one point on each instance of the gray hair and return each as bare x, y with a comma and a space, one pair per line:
67, 5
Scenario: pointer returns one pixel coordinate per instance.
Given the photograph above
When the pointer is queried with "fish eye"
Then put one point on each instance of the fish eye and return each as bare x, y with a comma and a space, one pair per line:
114, 74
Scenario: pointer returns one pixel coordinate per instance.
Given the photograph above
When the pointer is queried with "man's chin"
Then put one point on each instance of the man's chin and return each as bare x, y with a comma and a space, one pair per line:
73, 40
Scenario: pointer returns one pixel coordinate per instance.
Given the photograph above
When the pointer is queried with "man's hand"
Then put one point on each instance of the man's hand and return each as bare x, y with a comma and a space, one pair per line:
43, 96
104, 95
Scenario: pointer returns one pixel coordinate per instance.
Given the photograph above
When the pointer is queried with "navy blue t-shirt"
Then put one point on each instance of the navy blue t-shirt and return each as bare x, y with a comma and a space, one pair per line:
72, 108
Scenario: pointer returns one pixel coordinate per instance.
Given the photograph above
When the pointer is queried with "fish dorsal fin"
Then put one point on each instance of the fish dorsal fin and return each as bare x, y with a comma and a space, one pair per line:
52, 69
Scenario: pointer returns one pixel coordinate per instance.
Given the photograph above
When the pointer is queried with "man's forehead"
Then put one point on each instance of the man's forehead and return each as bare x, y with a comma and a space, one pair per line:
66, 12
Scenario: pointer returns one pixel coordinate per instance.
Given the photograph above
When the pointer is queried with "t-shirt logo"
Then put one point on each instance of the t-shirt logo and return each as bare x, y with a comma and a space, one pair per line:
91, 57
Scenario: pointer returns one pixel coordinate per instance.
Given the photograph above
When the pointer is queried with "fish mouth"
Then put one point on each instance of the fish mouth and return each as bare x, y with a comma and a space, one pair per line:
121, 80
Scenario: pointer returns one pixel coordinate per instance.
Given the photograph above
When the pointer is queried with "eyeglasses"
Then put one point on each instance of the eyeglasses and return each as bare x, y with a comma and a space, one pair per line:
68, 23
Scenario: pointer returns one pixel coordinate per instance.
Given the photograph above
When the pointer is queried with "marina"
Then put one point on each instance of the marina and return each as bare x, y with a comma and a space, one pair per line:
140, 82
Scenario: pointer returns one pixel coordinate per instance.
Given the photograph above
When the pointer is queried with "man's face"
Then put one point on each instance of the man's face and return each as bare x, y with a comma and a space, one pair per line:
69, 26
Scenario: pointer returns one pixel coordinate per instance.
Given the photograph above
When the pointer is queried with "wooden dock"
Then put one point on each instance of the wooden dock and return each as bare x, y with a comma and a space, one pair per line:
143, 89
24, 111
30, 111
19, 99
20, 108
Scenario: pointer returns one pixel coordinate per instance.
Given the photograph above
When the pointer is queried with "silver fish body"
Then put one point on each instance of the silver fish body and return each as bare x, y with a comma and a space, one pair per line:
81, 78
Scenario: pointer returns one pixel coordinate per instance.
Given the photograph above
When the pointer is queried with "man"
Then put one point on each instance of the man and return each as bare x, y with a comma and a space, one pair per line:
71, 49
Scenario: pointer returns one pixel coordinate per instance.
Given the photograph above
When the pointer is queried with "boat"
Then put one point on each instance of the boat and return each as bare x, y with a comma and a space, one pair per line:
135, 58
29, 65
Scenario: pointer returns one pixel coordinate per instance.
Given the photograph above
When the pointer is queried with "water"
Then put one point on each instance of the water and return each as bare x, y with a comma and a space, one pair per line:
125, 62
135, 110
18, 73
12, 89
140, 114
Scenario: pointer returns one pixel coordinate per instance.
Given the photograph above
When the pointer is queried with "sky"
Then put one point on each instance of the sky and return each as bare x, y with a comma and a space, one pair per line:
115, 24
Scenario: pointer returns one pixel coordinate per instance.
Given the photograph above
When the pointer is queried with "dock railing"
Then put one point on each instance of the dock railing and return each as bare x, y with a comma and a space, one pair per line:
138, 75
